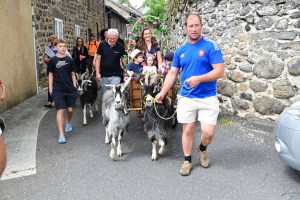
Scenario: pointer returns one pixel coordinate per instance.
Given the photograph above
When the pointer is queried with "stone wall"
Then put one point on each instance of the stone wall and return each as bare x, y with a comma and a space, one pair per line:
261, 48
88, 14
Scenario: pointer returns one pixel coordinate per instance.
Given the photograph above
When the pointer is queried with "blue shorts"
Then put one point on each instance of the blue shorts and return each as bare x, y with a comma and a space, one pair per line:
64, 100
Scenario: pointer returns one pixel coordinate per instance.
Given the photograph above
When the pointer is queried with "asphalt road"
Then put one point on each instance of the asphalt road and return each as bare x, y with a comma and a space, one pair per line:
243, 165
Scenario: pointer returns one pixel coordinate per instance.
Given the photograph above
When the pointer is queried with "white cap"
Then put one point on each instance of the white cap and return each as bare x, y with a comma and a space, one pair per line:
134, 53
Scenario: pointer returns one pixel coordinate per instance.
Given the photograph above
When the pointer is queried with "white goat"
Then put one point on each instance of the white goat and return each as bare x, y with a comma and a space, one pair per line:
115, 120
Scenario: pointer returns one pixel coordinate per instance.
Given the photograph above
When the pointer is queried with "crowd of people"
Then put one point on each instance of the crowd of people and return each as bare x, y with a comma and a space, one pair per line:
199, 62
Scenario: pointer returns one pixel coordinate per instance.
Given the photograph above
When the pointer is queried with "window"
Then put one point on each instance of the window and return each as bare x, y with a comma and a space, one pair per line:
77, 30
89, 5
59, 28
98, 6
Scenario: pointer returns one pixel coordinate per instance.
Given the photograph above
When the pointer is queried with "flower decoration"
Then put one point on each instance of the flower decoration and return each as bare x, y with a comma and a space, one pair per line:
157, 25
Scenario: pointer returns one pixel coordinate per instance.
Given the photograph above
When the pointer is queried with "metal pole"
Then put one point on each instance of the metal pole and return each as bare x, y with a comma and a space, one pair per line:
103, 13
35, 57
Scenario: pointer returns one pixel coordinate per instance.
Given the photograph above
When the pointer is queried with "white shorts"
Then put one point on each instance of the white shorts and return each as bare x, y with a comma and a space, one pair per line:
207, 110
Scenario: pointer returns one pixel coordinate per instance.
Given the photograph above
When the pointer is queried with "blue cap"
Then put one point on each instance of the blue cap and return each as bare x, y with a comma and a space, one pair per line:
169, 56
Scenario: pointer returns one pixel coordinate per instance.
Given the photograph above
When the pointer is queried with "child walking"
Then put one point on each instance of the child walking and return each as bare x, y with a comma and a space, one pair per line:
62, 87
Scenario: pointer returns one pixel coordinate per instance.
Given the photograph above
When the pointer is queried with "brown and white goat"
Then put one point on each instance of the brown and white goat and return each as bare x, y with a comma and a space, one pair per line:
87, 90
156, 128
115, 117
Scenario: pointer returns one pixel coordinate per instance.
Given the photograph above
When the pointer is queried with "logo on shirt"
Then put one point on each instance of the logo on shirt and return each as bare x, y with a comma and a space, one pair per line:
116, 52
61, 64
201, 53
182, 55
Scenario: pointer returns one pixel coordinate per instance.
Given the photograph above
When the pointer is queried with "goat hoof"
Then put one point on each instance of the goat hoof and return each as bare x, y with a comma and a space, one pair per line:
161, 152
153, 158
84, 124
119, 154
112, 159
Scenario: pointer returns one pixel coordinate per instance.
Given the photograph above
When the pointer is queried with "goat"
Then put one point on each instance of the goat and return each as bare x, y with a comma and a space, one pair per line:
115, 117
87, 90
156, 127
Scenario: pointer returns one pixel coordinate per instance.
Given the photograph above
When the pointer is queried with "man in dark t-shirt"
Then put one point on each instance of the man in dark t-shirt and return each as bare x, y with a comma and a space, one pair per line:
110, 54
62, 87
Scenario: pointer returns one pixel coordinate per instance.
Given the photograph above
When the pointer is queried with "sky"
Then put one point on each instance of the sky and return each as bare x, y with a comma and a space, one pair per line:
137, 3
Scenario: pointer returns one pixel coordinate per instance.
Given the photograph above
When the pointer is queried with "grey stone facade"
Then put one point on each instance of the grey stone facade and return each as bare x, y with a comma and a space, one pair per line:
260, 44
88, 14
119, 16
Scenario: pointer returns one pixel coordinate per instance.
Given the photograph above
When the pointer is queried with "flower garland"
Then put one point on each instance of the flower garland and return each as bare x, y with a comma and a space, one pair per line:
158, 26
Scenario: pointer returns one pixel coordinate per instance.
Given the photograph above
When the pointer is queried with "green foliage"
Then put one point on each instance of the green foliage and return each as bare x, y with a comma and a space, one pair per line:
225, 121
123, 1
157, 8
159, 28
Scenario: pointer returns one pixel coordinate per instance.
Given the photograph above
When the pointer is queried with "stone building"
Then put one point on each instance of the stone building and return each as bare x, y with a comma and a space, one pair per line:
261, 48
67, 19
113, 19
119, 16
17, 69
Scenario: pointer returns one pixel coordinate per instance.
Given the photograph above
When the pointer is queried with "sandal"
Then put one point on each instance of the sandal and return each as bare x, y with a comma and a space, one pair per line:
68, 128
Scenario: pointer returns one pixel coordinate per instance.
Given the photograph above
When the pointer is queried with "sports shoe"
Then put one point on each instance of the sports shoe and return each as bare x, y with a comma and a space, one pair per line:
61, 139
186, 168
2, 125
68, 128
204, 158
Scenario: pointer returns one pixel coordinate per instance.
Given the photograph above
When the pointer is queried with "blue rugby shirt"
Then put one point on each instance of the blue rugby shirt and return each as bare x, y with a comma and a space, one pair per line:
194, 60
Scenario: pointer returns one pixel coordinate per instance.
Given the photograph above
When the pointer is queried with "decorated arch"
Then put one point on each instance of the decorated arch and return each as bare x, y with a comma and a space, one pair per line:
160, 31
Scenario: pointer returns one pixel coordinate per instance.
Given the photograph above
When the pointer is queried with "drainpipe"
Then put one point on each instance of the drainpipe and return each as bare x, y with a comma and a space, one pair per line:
35, 57
103, 13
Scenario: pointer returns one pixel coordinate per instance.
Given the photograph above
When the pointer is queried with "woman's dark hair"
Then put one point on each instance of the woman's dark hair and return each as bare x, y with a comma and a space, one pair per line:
137, 38
102, 37
79, 38
141, 44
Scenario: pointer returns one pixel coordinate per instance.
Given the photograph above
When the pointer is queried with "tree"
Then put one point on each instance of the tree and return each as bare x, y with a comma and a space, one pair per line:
157, 8
123, 1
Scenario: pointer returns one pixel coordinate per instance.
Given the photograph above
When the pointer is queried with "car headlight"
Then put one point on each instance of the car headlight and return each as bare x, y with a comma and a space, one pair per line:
294, 110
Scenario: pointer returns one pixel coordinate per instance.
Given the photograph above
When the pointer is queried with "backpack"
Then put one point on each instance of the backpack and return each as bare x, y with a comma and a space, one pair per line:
92, 44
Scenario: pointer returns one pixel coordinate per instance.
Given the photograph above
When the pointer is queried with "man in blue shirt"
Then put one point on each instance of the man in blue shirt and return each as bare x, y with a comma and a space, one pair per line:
201, 64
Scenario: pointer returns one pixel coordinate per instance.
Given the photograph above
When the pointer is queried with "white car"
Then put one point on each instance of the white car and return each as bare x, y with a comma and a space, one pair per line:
287, 136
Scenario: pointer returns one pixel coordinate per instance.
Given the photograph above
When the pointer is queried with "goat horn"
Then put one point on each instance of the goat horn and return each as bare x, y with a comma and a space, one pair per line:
84, 81
76, 76
141, 83
83, 75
